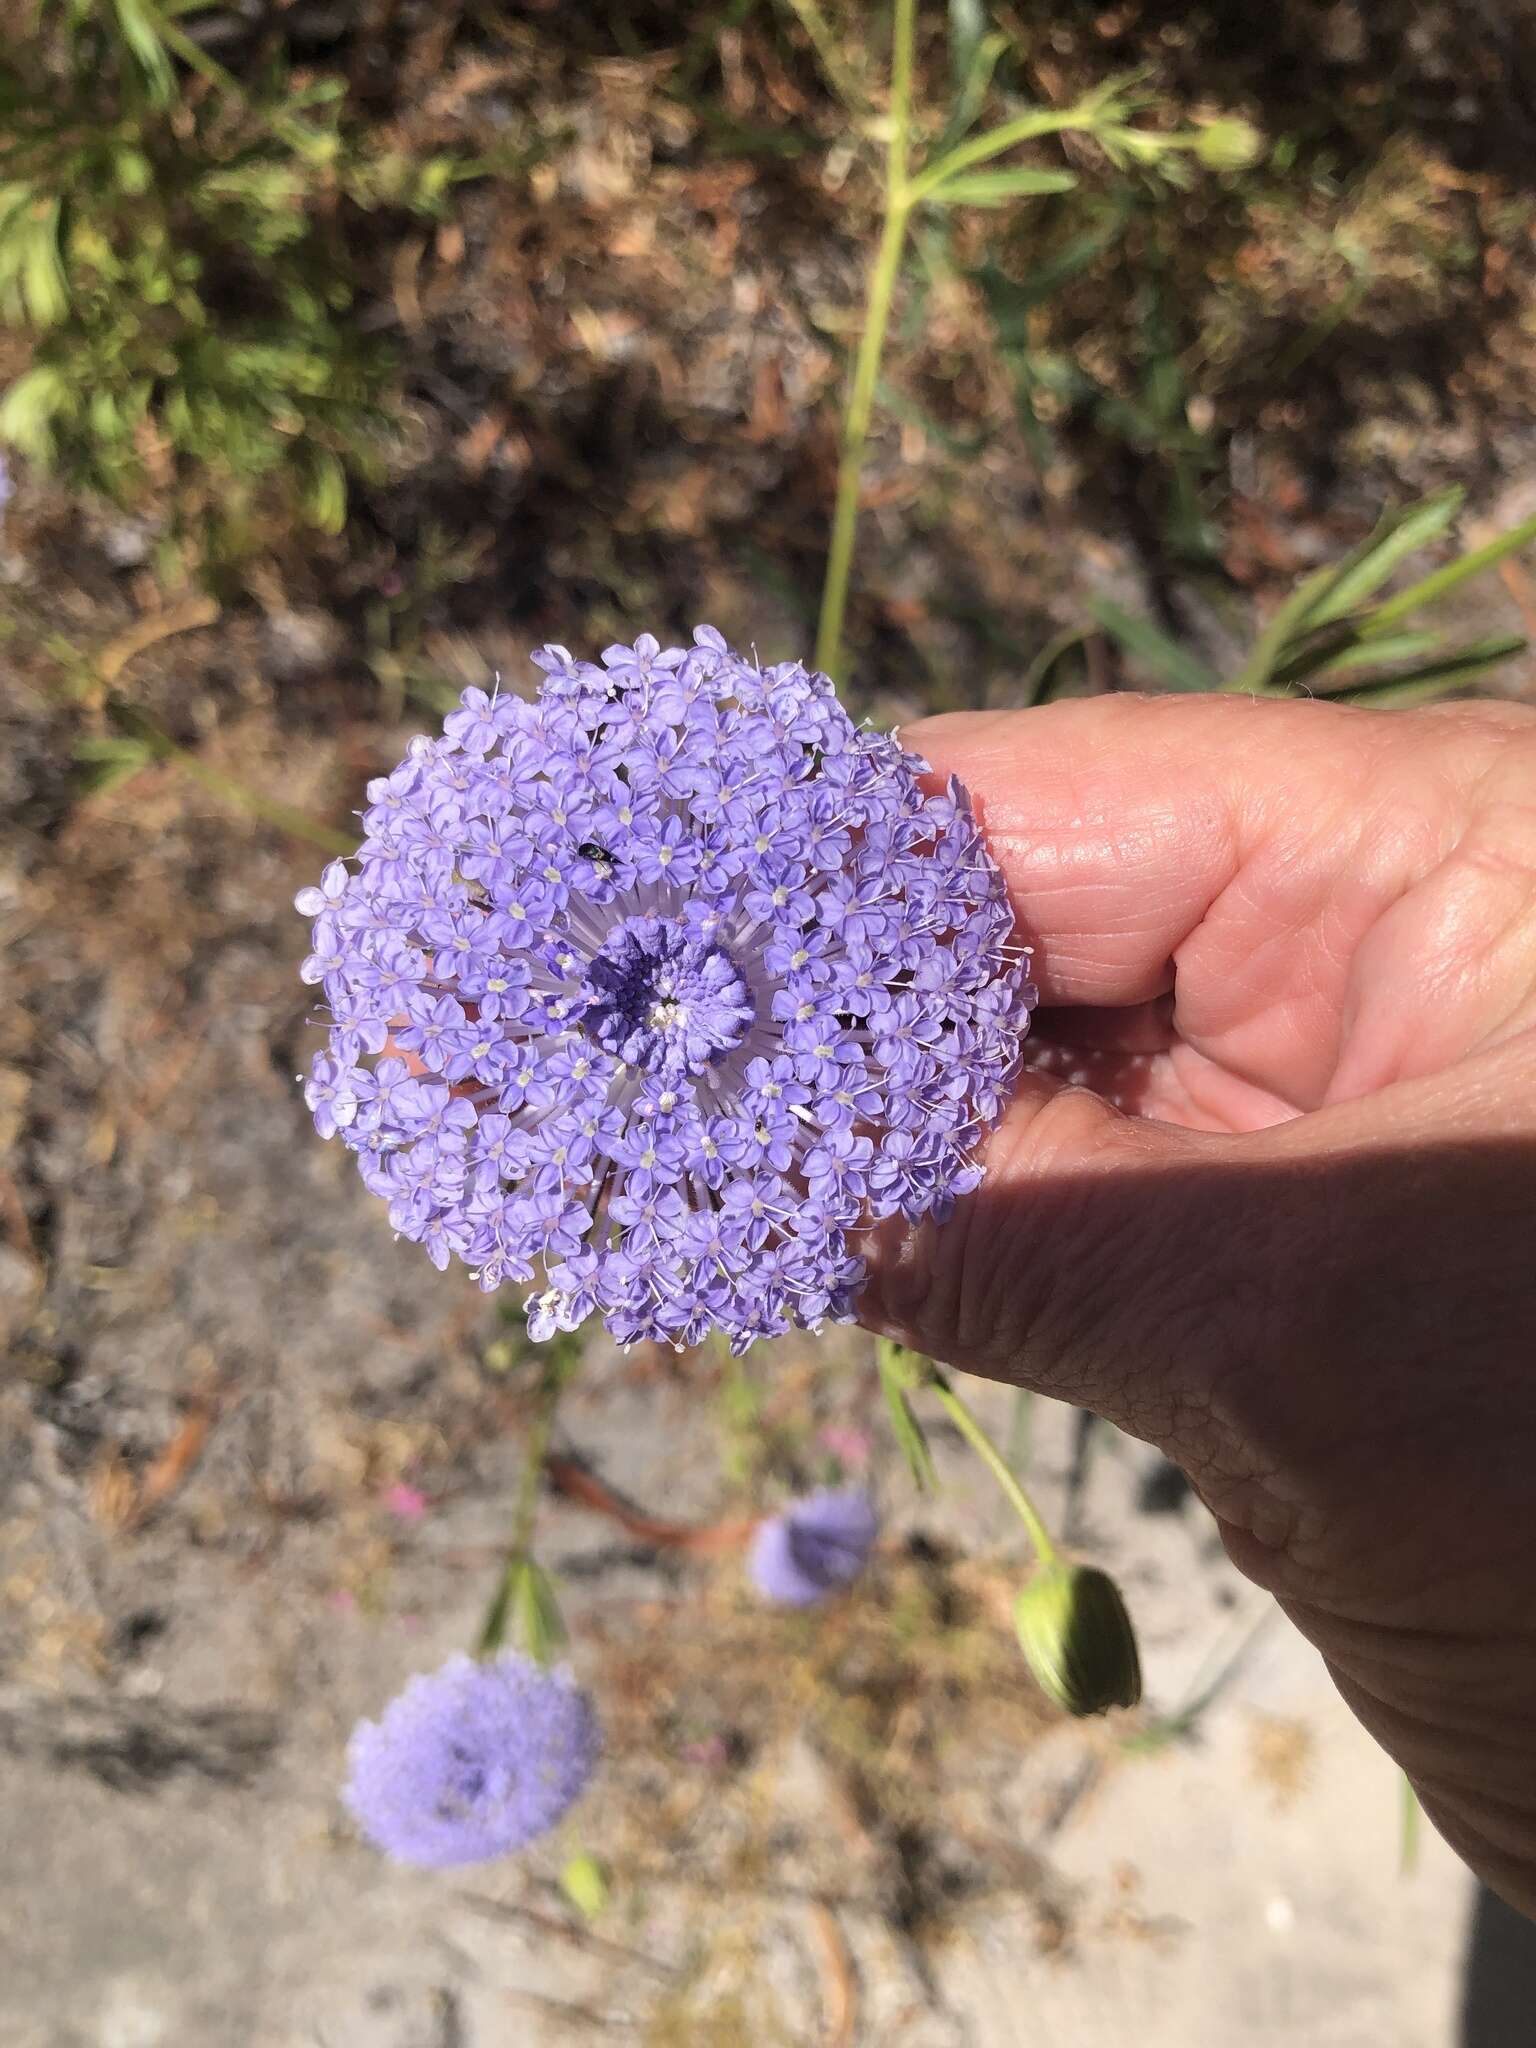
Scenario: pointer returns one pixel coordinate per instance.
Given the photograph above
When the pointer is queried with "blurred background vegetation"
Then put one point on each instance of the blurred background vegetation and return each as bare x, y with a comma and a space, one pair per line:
349, 349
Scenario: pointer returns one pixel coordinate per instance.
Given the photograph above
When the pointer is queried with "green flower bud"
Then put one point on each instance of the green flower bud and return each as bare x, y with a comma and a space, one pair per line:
1230, 144
1077, 1638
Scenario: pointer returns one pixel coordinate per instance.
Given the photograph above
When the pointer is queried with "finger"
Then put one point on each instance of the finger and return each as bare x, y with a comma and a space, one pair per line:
1120, 821
1177, 1086
1138, 1028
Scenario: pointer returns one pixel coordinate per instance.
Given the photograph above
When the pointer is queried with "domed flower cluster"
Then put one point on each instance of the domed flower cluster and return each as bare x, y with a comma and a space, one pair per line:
815, 1547
471, 1761
665, 982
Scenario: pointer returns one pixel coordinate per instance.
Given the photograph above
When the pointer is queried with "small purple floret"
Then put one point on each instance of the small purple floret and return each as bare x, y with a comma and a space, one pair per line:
472, 1761
663, 1000
814, 1548
662, 986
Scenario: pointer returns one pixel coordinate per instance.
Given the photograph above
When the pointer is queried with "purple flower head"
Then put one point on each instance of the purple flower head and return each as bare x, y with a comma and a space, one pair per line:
471, 1762
664, 984
820, 1544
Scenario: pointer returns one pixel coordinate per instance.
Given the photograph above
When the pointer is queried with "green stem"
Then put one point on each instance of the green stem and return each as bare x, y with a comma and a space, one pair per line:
283, 816
982, 148
1411, 1815
810, 17
866, 369
300, 139
961, 1416
524, 1513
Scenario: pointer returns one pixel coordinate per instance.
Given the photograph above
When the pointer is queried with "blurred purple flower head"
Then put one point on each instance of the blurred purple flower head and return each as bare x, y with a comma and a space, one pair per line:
471, 1762
820, 1544
695, 980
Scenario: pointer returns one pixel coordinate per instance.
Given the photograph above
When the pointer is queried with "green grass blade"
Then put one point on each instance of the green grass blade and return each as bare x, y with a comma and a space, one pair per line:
1037, 685
1341, 653
972, 74
1437, 678
1454, 573
1289, 623
1174, 665
1331, 592
967, 33
1368, 566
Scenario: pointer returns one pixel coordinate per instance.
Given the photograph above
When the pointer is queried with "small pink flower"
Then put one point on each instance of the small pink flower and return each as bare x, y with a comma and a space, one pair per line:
709, 1752
405, 1503
851, 1446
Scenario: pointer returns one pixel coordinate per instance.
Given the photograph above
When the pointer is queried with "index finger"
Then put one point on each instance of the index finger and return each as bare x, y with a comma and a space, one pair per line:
1119, 821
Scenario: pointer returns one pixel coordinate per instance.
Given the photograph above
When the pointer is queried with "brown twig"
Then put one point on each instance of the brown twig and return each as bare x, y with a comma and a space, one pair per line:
169, 1472
584, 1487
13, 1221
564, 1930
145, 633
840, 1987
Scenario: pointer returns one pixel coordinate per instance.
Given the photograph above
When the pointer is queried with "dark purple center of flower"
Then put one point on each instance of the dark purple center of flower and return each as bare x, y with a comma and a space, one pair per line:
663, 999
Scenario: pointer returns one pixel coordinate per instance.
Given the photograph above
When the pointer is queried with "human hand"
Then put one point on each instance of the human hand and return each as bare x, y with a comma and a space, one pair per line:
1266, 1195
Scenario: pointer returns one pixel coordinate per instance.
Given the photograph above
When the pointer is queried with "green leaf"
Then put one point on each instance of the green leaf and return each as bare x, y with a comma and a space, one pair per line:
43, 283
325, 500
30, 407
967, 31
1436, 585
525, 1611
972, 91
1289, 623
537, 1625
900, 1371
1174, 665
1038, 684
1088, 115
136, 26
1330, 657
1331, 593
973, 55
1434, 679
108, 762
1368, 566
996, 188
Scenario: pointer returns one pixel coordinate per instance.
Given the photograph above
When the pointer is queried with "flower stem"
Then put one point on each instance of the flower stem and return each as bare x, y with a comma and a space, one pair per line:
524, 1512
960, 1415
866, 369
